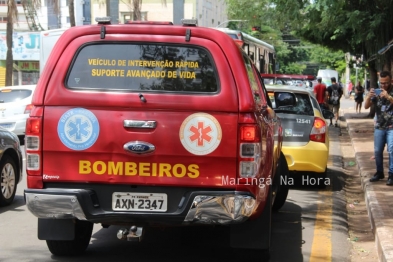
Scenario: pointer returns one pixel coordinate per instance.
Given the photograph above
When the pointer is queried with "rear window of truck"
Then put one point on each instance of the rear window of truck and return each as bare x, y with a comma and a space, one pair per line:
143, 67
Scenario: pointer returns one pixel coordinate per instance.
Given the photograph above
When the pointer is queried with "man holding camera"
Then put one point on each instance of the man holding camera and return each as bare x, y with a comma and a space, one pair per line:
383, 128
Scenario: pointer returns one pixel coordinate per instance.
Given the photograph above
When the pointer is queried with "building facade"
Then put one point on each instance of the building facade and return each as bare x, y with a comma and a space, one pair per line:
26, 37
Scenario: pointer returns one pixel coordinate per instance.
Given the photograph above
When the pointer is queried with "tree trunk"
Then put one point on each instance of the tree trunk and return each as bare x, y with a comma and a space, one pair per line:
137, 10
390, 61
71, 10
9, 60
373, 84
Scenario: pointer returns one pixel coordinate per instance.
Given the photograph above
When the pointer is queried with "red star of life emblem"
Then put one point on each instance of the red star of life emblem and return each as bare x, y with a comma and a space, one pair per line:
200, 133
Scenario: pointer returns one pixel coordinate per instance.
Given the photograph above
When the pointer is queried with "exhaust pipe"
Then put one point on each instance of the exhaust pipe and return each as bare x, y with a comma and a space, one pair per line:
133, 234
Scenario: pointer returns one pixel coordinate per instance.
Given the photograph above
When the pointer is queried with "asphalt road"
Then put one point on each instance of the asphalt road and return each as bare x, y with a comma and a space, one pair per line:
311, 226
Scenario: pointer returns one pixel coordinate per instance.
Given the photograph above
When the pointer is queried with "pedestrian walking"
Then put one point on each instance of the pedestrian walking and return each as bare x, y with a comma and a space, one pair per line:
382, 99
350, 86
359, 92
334, 94
320, 92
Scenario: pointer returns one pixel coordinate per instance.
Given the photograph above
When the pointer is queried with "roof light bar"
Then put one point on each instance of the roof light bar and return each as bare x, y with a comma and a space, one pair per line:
189, 22
148, 22
103, 20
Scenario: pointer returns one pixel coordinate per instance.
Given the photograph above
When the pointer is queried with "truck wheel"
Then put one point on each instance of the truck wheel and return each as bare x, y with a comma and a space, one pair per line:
83, 231
251, 239
282, 191
8, 178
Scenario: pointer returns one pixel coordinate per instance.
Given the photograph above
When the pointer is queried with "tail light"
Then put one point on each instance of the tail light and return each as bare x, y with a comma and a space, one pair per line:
239, 42
33, 145
318, 131
250, 151
28, 109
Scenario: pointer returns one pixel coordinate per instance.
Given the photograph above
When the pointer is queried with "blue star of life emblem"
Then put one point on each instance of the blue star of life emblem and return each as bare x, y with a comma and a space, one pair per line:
78, 128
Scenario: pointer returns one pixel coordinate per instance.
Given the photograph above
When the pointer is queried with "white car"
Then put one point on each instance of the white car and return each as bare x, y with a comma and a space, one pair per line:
15, 106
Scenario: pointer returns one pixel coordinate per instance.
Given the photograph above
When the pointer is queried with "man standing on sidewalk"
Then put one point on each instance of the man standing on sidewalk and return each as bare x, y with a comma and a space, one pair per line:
383, 123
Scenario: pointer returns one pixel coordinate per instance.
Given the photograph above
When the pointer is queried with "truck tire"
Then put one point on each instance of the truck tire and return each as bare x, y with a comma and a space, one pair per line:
252, 238
9, 177
83, 231
282, 191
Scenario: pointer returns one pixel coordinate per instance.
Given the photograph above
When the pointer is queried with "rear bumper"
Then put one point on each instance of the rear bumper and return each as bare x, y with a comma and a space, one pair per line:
312, 157
17, 124
203, 207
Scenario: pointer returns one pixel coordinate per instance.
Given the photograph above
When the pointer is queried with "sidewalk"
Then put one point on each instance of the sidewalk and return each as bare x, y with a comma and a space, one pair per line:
378, 196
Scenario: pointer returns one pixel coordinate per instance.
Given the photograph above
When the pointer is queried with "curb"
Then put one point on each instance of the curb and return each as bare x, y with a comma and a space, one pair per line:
383, 235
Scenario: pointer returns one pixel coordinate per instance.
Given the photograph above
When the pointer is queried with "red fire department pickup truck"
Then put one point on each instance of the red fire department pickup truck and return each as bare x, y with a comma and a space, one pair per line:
152, 124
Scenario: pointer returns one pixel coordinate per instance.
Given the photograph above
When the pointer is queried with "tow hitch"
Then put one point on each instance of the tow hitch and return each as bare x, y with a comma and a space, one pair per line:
133, 234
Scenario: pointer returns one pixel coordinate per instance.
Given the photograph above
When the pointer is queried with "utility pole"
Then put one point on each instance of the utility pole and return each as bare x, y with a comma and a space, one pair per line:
358, 61
86, 12
178, 11
347, 73
112, 10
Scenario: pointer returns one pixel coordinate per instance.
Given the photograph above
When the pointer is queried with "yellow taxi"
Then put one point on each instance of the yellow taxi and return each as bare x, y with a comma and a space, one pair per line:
305, 130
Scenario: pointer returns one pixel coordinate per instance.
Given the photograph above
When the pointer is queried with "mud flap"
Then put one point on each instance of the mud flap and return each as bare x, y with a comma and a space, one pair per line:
254, 234
56, 229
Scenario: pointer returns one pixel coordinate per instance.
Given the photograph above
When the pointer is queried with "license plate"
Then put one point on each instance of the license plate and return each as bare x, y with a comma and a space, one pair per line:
6, 126
156, 202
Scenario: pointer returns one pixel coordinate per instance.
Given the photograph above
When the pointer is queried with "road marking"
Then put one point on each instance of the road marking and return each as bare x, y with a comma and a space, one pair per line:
321, 249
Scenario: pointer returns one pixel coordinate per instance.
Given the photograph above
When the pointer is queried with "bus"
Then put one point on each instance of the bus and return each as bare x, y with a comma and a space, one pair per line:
261, 53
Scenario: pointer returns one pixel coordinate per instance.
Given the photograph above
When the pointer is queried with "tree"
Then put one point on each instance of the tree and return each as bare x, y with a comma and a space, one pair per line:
71, 11
354, 26
351, 26
293, 55
259, 13
12, 15
137, 4
136, 7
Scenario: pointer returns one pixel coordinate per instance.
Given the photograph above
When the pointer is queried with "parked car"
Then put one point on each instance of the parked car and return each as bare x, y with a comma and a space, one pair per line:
151, 124
10, 166
15, 106
306, 133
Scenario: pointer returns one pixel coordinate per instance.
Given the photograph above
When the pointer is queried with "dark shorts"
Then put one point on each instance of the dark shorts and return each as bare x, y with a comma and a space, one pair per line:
334, 108
359, 99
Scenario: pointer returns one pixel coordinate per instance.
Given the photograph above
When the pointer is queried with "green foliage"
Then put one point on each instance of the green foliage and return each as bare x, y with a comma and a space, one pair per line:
356, 26
334, 27
277, 18
328, 58
261, 13
293, 68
